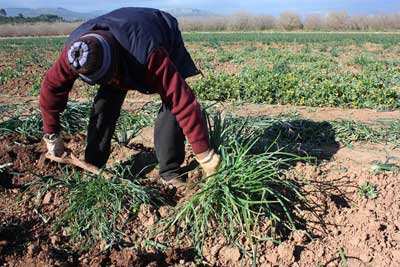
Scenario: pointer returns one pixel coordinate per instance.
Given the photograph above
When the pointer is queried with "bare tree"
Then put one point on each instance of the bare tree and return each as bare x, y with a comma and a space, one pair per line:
203, 24
334, 21
240, 22
290, 21
393, 20
314, 22
360, 22
264, 22
337, 20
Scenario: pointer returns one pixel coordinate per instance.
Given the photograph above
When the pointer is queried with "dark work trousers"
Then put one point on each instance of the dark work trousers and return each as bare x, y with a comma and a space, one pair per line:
168, 136
169, 143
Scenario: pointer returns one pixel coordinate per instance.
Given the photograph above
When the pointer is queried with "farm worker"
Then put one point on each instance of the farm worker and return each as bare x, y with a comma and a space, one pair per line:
129, 49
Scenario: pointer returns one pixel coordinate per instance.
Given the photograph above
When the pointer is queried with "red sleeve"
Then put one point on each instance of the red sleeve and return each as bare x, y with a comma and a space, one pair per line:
53, 99
164, 77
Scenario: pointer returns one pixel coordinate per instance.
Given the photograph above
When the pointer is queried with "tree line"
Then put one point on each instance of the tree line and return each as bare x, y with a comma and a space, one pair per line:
242, 21
290, 21
4, 19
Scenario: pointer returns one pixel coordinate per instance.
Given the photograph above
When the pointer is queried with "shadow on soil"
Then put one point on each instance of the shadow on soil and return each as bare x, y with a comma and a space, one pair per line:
6, 180
170, 257
311, 139
301, 137
117, 257
145, 162
17, 236
14, 235
320, 197
142, 163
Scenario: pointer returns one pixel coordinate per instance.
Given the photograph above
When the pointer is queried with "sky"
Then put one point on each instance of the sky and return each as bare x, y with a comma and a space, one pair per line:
273, 7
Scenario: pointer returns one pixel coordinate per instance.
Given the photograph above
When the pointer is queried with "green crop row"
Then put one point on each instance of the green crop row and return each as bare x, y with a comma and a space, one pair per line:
265, 37
312, 69
47, 42
282, 84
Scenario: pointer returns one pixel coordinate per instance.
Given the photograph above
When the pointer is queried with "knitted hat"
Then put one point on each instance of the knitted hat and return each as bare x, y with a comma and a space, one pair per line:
92, 56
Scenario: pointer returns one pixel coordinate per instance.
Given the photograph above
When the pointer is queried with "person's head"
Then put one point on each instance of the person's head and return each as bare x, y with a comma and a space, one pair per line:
94, 56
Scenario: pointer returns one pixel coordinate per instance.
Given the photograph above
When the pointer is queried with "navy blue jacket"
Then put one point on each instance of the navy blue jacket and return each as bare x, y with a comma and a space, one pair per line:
140, 31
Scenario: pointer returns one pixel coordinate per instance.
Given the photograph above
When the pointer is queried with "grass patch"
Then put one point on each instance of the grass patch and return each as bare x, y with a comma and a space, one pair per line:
351, 131
249, 190
309, 137
97, 208
29, 123
129, 125
368, 191
380, 167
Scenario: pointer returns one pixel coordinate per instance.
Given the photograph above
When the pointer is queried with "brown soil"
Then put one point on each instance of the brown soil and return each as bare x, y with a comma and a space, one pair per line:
367, 231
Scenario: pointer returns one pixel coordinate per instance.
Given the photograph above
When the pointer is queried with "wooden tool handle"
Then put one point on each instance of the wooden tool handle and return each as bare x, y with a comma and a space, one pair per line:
73, 160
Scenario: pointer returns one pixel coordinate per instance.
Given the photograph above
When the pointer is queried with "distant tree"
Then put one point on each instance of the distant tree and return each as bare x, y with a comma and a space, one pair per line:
264, 22
239, 21
290, 21
393, 21
20, 15
337, 21
360, 22
314, 22
3, 12
48, 18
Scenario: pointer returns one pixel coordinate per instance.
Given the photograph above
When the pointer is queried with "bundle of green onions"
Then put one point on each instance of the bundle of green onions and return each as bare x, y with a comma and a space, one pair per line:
248, 190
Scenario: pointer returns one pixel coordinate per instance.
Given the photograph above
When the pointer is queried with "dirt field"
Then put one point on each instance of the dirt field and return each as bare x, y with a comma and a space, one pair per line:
341, 225
367, 231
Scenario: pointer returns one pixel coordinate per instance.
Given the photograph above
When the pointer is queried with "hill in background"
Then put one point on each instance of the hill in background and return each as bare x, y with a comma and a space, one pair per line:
189, 12
72, 15
61, 12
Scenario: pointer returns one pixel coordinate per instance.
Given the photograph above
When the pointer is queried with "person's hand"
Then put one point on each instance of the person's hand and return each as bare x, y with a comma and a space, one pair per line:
209, 161
55, 145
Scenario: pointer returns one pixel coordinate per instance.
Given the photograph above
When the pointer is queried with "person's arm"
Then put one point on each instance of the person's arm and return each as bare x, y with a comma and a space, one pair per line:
56, 85
163, 76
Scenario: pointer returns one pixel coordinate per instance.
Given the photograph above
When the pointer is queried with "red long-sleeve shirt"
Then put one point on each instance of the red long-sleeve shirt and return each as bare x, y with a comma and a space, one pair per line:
161, 74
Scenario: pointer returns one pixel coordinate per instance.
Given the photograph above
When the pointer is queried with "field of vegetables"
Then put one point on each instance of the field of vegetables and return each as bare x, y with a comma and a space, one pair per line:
308, 125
